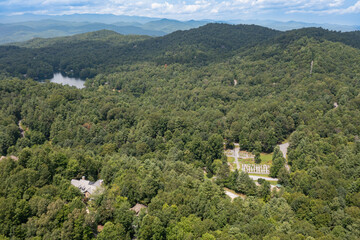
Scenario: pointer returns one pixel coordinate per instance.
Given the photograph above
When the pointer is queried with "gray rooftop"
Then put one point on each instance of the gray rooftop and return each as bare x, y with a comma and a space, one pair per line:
86, 185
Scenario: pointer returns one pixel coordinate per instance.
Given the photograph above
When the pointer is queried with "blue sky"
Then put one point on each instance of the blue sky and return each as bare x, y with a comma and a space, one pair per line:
318, 11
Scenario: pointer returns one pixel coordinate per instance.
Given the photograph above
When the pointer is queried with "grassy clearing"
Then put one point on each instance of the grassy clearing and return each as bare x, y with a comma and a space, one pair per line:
229, 190
246, 154
233, 166
231, 162
229, 152
230, 159
246, 161
266, 158
243, 196
259, 175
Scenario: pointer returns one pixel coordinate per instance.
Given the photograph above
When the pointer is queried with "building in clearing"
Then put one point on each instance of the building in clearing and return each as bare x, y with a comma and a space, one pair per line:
87, 187
137, 208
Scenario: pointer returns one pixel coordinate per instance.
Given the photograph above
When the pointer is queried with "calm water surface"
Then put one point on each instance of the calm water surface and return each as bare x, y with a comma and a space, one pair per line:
77, 82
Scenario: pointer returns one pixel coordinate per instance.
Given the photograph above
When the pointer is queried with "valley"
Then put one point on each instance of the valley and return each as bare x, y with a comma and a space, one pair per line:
217, 132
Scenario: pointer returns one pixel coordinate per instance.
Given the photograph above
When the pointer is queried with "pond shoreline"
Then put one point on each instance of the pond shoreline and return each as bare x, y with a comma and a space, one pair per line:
59, 78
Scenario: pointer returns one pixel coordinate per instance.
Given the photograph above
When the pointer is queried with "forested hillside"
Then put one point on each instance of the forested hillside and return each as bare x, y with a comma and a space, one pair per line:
47, 28
102, 36
90, 56
152, 122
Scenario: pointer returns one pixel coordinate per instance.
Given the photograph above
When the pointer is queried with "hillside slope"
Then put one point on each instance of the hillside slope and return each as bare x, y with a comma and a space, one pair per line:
85, 56
23, 31
197, 46
155, 135
105, 36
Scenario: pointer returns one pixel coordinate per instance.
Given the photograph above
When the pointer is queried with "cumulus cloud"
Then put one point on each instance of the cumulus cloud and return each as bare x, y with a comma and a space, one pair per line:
62, 2
179, 8
352, 9
185, 9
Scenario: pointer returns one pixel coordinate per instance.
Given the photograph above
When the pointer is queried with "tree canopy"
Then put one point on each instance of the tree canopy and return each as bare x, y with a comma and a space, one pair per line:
153, 120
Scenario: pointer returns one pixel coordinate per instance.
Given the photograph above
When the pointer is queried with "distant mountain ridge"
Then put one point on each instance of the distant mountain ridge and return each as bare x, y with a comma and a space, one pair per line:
88, 54
108, 36
29, 26
23, 31
290, 25
16, 32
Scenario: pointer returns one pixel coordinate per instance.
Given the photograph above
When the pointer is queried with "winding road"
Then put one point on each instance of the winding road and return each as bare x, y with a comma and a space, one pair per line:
284, 148
236, 155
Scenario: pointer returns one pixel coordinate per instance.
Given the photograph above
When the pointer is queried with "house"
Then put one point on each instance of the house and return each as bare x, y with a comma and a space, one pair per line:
12, 157
87, 187
137, 208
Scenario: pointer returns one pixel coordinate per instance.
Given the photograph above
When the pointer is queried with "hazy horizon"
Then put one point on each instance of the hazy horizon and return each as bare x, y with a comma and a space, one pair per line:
342, 12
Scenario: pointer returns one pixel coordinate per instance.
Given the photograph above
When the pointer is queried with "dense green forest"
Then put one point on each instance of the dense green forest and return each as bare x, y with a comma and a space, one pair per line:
153, 118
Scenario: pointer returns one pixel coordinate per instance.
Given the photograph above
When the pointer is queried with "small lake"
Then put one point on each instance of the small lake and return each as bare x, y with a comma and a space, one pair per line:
59, 78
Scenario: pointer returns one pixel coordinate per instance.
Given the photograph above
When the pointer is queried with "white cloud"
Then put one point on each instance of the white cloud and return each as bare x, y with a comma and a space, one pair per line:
185, 9
179, 8
156, 5
290, 3
56, 2
163, 7
353, 9
336, 3
191, 8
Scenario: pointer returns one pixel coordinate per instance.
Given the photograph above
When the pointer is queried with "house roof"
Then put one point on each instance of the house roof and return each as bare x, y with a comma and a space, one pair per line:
86, 185
12, 157
137, 208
